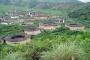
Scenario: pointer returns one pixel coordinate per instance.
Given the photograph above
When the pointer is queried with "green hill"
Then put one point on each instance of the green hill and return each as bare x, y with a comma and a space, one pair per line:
82, 12
33, 3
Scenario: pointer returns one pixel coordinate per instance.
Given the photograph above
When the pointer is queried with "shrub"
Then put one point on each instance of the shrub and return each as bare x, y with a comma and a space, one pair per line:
64, 51
12, 56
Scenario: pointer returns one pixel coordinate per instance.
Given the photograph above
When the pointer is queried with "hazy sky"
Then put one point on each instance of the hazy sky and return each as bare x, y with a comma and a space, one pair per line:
85, 0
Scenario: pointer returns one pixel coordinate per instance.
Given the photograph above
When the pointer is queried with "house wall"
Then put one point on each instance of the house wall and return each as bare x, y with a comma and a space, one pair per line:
41, 17
31, 23
33, 32
61, 21
76, 28
16, 43
49, 27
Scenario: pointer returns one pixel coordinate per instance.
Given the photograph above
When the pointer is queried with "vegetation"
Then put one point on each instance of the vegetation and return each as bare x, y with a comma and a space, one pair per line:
59, 44
32, 3
10, 29
64, 51
51, 45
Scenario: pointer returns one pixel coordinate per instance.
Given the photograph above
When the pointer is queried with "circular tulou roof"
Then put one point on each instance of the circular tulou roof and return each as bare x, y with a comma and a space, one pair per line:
32, 29
75, 25
17, 37
49, 23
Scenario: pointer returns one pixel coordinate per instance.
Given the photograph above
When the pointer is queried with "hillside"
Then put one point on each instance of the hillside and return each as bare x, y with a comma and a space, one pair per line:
83, 10
59, 1
33, 3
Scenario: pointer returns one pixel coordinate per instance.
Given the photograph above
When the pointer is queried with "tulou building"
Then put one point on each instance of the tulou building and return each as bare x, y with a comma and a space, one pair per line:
16, 39
28, 22
32, 30
49, 25
75, 26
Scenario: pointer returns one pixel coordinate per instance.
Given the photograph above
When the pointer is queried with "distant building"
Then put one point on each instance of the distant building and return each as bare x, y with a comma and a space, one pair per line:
41, 17
75, 26
7, 21
21, 13
26, 19
61, 20
33, 13
48, 25
17, 14
32, 30
28, 22
14, 16
52, 17
16, 39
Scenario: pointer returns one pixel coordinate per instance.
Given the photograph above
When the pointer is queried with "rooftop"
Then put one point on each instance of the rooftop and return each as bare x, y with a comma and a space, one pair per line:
32, 28
75, 24
49, 23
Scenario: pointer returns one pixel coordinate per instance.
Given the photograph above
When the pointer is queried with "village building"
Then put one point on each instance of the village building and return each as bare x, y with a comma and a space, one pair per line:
21, 19
6, 21
21, 13
61, 19
28, 22
41, 17
48, 25
32, 30
26, 19
14, 16
16, 39
52, 17
1, 40
33, 13
28, 13
75, 26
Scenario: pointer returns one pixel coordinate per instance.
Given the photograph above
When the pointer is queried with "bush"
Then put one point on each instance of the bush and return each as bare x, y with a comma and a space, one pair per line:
64, 51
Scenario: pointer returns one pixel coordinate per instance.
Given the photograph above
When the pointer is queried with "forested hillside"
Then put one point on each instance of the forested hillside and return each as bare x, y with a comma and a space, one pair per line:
83, 11
33, 3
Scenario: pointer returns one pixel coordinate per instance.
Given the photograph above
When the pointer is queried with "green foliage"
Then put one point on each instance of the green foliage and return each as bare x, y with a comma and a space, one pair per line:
10, 29
12, 56
65, 51
82, 12
86, 35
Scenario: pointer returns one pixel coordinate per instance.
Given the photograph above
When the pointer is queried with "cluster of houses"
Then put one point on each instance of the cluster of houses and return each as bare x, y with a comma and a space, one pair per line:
28, 19
21, 16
